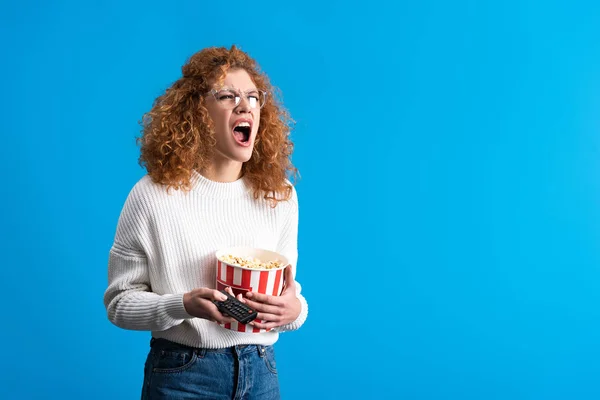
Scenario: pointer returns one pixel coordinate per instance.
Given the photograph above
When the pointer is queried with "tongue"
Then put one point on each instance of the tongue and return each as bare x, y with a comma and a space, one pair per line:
239, 136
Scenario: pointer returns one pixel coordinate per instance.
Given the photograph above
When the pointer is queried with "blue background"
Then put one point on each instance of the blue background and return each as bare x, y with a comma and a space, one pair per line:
450, 189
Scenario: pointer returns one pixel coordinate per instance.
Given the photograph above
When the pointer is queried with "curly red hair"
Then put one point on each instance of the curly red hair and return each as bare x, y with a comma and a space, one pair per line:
178, 137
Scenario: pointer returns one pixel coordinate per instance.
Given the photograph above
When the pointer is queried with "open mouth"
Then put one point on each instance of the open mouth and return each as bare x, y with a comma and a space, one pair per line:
241, 132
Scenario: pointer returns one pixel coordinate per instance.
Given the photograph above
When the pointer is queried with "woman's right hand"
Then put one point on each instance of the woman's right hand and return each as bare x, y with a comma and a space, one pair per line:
199, 303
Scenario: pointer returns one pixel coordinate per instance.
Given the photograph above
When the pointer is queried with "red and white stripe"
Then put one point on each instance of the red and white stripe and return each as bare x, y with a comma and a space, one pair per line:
242, 280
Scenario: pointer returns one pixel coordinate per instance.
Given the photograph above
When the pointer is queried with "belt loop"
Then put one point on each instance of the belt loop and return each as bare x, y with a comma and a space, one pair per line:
200, 352
261, 350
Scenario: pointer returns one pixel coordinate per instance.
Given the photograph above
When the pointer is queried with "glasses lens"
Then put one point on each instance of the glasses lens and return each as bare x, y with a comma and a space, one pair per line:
229, 99
252, 100
256, 98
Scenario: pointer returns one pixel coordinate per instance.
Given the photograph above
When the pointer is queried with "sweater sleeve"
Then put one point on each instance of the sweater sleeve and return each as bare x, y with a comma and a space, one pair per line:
129, 300
288, 246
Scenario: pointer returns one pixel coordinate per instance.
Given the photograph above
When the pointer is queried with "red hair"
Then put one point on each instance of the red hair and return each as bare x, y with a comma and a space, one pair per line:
177, 135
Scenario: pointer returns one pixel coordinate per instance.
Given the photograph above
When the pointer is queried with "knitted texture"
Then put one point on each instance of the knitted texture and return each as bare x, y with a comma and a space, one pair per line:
165, 246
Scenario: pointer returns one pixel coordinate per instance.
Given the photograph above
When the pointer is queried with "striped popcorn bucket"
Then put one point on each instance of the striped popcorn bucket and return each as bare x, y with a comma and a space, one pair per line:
243, 279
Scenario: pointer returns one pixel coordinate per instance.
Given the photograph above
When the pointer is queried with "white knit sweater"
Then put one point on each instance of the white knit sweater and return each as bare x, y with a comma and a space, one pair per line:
165, 246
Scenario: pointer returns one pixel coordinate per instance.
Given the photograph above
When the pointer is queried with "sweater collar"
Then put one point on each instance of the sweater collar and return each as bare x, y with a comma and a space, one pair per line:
224, 190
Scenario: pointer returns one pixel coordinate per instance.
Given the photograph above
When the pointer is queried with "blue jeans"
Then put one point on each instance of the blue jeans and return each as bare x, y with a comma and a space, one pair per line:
174, 371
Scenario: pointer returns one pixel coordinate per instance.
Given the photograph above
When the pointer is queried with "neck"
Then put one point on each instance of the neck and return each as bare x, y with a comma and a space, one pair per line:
225, 171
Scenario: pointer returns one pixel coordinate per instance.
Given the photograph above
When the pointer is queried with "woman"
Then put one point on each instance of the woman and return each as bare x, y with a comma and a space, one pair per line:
217, 150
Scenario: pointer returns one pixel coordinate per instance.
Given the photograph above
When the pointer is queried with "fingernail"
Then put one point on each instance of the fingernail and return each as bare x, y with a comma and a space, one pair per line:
249, 294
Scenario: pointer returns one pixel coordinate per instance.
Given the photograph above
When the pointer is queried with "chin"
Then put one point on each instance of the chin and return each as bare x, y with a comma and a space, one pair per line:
243, 156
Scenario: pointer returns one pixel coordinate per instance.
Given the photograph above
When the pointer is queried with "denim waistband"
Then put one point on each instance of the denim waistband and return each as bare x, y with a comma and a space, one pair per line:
164, 344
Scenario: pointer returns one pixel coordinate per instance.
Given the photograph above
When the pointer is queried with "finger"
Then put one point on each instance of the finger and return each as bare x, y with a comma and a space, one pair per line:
289, 273
289, 278
266, 317
222, 318
266, 308
229, 290
211, 294
208, 307
262, 298
264, 325
240, 298
214, 314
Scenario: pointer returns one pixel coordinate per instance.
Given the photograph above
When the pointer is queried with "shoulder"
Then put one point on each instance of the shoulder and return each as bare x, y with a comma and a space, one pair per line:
294, 193
287, 193
144, 194
289, 201
147, 187
294, 196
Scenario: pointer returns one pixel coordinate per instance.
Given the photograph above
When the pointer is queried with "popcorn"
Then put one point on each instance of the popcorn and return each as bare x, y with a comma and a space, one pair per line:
250, 262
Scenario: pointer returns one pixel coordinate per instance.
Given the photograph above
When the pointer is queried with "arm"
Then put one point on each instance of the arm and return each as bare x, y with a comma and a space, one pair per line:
129, 300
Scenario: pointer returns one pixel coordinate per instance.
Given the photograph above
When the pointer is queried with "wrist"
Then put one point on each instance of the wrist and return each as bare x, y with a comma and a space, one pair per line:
186, 302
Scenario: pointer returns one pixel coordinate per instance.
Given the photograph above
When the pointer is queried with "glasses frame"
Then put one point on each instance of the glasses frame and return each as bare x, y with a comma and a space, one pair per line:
238, 97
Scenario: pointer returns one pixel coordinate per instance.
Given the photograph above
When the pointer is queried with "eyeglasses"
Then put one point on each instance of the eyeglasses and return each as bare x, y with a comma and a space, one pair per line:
231, 98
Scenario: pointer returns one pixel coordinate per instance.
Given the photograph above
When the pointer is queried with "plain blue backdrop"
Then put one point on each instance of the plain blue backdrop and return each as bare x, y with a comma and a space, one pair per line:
449, 200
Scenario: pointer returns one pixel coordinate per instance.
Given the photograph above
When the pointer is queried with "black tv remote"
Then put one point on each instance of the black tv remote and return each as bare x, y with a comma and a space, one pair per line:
236, 309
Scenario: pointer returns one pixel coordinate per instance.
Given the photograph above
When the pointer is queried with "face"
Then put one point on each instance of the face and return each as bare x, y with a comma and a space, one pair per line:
235, 128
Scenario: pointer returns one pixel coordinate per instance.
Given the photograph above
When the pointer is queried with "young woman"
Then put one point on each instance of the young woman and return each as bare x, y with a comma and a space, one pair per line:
217, 151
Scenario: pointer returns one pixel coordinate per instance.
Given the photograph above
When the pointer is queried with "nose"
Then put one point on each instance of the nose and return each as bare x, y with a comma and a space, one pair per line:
244, 106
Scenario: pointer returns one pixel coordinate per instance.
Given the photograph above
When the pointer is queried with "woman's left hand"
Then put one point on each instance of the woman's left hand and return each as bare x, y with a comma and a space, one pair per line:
274, 311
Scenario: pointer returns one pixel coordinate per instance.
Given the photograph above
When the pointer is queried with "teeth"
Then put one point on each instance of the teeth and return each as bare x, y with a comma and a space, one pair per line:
243, 124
